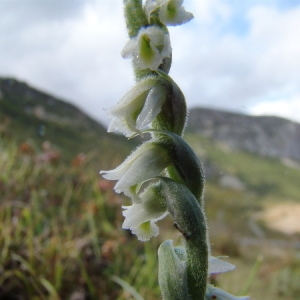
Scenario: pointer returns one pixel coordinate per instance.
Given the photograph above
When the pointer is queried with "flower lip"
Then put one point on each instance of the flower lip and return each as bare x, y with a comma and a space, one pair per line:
148, 48
152, 207
148, 161
170, 12
124, 115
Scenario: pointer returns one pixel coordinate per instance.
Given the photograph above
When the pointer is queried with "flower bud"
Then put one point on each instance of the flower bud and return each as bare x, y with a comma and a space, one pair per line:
172, 275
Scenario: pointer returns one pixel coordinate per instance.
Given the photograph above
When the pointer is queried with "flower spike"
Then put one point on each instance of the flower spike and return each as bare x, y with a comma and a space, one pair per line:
163, 177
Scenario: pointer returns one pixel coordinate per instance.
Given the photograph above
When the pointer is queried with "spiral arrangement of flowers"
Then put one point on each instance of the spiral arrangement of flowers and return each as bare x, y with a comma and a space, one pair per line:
163, 176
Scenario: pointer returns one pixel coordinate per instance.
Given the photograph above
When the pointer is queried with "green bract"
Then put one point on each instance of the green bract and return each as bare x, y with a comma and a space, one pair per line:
172, 273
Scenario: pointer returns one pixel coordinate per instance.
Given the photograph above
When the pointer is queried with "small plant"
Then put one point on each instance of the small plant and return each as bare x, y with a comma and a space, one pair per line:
164, 175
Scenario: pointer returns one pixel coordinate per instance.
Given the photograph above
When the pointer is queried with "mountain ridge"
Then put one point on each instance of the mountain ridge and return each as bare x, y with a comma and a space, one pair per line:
267, 136
28, 113
34, 113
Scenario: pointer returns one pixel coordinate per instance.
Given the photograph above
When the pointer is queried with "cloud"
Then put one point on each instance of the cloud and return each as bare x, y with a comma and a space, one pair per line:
233, 71
72, 55
286, 108
233, 55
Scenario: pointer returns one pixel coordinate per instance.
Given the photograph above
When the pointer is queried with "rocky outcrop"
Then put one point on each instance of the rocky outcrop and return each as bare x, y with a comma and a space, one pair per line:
266, 136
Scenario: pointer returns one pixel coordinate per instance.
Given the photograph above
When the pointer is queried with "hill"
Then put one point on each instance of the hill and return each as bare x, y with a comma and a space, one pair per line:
75, 218
29, 114
265, 136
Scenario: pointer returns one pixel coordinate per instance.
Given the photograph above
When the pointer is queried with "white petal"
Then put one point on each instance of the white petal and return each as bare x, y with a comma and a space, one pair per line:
137, 214
216, 265
130, 48
134, 99
149, 8
218, 294
126, 126
118, 172
157, 47
152, 106
124, 114
146, 231
179, 18
150, 163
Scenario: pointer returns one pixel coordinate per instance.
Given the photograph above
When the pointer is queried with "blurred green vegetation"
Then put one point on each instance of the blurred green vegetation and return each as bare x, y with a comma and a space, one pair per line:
60, 230
60, 222
61, 235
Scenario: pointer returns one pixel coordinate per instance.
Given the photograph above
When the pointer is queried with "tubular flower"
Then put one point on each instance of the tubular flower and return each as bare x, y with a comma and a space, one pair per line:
143, 103
138, 107
170, 12
148, 48
148, 161
214, 293
140, 218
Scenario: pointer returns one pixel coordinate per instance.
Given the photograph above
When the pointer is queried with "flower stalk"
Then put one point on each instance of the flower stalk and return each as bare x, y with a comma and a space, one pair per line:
163, 176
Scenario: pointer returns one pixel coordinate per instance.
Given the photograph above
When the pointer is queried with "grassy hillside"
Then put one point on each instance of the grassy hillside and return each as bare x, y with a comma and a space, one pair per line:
27, 114
261, 176
61, 235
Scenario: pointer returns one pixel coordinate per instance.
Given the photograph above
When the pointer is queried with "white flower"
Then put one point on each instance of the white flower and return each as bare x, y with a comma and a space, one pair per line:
139, 107
148, 48
140, 218
149, 8
143, 103
214, 293
148, 161
171, 12
216, 265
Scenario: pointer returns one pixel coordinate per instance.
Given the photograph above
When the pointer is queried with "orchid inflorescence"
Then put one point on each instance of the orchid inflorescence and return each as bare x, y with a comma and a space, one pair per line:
163, 176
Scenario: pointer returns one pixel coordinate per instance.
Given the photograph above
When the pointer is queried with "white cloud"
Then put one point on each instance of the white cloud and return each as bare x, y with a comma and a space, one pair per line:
72, 49
77, 58
286, 108
234, 72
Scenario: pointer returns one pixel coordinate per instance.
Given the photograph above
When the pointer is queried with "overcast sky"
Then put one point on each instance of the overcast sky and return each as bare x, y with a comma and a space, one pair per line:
235, 55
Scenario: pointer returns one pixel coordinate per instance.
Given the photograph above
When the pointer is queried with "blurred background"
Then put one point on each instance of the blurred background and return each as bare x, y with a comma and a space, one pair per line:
60, 222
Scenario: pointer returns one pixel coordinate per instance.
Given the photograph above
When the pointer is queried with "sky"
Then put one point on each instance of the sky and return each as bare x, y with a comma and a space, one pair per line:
235, 55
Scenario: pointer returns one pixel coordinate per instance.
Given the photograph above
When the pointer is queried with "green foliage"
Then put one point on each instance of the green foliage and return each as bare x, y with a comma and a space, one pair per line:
60, 234
262, 176
26, 113
58, 231
60, 223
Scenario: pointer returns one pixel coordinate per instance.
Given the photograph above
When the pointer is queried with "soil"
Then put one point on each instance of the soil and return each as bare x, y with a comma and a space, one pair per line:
283, 217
